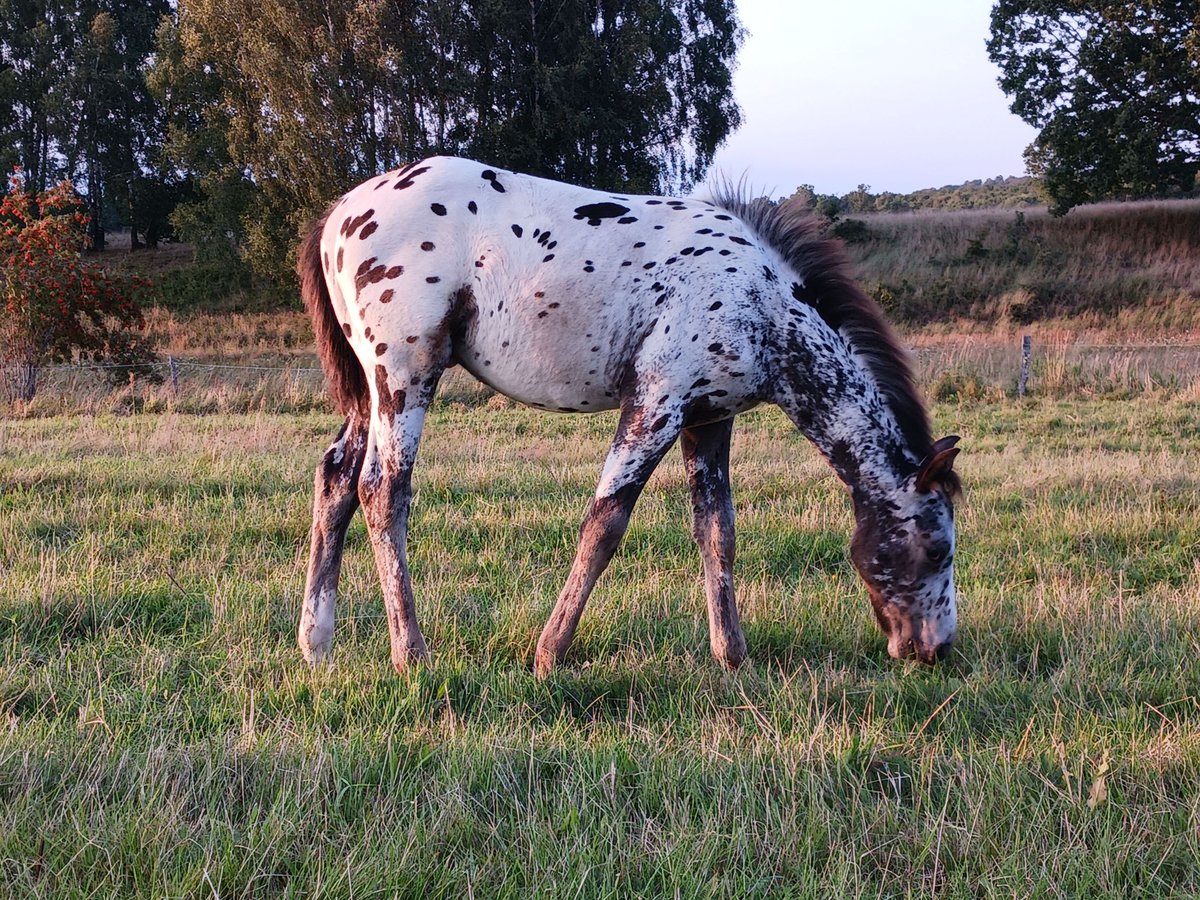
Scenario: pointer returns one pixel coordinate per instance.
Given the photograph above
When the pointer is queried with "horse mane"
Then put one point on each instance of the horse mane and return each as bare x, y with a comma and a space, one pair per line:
828, 287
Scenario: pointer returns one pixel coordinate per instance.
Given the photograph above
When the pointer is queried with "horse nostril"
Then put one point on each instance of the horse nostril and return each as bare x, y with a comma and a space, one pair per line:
932, 655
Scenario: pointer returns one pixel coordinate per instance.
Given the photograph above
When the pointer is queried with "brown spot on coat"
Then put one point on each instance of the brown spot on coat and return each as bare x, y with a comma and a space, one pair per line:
368, 274
352, 225
390, 403
406, 182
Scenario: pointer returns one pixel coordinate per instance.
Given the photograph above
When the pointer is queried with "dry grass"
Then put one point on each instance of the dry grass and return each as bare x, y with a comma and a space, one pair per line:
1130, 271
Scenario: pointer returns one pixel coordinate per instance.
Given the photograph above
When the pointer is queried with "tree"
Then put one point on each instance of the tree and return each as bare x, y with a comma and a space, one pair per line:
307, 97
71, 73
1114, 86
275, 107
53, 306
626, 95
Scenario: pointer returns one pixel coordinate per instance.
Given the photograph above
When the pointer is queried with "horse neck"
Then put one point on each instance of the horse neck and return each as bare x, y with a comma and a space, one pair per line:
835, 402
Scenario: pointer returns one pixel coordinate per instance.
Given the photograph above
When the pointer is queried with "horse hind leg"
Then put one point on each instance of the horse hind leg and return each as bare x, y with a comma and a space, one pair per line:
636, 450
706, 458
385, 491
335, 498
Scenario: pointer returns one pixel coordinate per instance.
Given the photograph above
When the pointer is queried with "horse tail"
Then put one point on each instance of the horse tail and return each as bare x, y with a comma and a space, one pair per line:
347, 382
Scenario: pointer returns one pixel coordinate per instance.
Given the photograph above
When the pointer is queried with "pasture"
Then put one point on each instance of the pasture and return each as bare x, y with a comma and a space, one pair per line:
160, 736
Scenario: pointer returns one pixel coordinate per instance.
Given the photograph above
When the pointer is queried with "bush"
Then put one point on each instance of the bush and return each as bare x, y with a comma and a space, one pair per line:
53, 306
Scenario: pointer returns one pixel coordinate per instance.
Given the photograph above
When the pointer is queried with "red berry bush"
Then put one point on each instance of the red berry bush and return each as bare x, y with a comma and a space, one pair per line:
54, 306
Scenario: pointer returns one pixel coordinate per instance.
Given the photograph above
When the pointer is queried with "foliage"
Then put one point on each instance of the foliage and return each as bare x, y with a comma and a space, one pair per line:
986, 193
850, 230
79, 108
1104, 266
56, 307
277, 106
1114, 86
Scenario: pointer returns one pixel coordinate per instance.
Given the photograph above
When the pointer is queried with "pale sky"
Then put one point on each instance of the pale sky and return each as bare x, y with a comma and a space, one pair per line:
896, 94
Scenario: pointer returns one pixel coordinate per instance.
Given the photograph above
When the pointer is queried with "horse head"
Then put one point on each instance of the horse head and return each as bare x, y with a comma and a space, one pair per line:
903, 547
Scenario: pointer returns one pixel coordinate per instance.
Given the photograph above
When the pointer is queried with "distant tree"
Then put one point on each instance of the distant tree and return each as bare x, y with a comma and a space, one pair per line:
1114, 86
630, 95
71, 78
53, 305
34, 45
829, 206
806, 194
860, 199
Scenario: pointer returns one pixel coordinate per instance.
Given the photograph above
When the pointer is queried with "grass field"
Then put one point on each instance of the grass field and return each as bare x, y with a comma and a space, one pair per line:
159, 735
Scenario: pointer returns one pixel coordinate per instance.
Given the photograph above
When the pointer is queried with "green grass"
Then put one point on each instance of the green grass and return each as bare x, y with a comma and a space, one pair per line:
160, 736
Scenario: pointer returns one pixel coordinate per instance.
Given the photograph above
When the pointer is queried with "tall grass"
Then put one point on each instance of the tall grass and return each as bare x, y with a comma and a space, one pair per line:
1119, 268
253, 363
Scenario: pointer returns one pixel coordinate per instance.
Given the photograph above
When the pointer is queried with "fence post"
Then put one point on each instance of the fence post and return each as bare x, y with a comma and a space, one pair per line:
1026, 346
174, 375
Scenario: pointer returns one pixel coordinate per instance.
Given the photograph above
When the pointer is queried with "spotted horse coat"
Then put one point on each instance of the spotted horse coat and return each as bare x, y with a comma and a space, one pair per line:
682, 313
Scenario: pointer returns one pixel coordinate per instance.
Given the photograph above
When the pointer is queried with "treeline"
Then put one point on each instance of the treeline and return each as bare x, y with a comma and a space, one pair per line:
1011, 192
228, 123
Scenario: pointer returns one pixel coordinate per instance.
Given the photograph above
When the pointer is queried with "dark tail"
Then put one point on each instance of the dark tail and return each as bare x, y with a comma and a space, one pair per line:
347, 382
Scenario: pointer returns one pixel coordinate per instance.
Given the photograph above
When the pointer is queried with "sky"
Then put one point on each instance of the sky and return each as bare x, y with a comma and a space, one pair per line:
896, 94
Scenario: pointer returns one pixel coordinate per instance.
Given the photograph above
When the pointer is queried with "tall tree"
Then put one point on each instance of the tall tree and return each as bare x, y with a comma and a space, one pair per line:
1114, 86
311, 96
620, 94
35, 43
276, 106
79, 106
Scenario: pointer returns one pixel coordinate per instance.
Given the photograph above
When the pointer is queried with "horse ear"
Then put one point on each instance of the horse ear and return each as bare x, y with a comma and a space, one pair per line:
938, 466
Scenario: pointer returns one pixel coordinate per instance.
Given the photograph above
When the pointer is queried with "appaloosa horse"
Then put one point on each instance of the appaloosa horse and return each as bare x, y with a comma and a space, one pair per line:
682, 313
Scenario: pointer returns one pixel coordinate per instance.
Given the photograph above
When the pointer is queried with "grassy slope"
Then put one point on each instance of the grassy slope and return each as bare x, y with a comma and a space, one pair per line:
159, 735
1121, 268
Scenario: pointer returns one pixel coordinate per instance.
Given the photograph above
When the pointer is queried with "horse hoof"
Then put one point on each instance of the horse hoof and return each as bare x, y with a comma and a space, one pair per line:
731, 658
316, 654
412, 654
543, 663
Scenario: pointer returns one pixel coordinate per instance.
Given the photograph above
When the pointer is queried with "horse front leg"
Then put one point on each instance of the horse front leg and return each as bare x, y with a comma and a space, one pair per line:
335, 498
706, 458
385, 490
636, 451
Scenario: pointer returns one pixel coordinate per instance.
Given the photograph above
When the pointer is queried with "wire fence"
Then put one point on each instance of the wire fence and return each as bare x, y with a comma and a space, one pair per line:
969, 369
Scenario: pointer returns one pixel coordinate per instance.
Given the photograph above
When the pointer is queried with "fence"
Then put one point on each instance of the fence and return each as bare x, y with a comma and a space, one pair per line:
965, 369
1059, 369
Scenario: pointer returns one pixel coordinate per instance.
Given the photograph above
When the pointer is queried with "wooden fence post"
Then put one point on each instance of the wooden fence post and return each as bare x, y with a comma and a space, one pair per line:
174, 375
1026, 346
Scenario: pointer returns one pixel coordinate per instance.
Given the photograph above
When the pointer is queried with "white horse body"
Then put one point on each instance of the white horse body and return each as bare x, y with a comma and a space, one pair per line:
682, 313
549, 295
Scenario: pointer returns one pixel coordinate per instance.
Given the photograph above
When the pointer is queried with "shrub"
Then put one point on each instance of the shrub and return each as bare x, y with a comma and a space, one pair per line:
53, 306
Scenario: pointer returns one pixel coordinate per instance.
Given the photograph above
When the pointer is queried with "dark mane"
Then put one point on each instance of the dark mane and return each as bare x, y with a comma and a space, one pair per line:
792, 230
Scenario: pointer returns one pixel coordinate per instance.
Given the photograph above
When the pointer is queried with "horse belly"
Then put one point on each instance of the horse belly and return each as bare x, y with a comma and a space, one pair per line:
543, 352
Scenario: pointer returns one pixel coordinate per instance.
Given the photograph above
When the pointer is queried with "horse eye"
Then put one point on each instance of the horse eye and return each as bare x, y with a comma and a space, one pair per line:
936, 555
